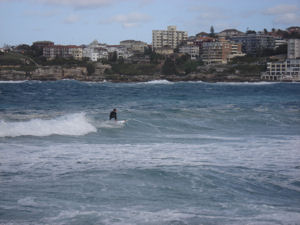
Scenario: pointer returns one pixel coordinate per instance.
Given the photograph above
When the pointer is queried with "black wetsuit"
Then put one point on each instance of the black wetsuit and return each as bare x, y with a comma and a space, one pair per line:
112, 115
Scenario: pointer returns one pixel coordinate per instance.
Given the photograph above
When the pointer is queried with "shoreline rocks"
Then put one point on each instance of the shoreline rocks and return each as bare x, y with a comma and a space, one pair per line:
53, 73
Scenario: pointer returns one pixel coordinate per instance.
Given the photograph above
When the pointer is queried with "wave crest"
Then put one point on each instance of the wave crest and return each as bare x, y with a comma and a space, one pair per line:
75, 124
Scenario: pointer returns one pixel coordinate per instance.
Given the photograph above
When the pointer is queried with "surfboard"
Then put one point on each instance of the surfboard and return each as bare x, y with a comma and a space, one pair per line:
121, 121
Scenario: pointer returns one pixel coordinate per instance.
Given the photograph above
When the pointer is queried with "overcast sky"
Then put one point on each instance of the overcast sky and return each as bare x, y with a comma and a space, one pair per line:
111, 21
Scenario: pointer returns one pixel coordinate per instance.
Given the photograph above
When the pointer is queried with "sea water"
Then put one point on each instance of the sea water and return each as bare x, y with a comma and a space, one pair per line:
189, 153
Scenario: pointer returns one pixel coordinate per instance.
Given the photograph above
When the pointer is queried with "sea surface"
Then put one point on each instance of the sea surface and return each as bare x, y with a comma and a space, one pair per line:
189, 153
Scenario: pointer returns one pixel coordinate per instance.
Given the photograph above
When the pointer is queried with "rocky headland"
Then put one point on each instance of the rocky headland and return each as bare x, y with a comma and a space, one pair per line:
53, 73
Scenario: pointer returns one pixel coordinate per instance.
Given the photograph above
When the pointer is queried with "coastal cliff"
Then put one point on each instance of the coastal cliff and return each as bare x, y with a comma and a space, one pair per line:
53, 73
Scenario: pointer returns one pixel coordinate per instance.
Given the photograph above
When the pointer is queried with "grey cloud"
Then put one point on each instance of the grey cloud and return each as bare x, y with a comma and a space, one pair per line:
284, 14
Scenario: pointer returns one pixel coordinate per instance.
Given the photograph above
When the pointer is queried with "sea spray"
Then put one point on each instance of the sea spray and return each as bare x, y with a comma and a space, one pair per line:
72, 124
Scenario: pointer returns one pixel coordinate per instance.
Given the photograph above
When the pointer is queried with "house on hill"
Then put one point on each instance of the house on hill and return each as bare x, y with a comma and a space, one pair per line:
229, 33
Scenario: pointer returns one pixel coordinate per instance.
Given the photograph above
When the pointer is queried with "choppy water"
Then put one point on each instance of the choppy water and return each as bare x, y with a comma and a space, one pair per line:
189, 153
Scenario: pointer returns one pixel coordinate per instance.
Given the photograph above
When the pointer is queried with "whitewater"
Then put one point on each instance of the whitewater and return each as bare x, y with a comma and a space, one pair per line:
189, 153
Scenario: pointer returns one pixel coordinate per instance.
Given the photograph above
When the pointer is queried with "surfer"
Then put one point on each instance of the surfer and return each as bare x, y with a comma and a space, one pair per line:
113, 114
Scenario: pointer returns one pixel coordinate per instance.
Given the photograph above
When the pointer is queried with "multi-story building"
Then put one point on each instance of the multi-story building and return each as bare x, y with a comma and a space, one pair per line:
278, 71
293, 49
64, 51
192, 50
252, 43
171, 38
278, 42
77, 53
287, 70
120, 50
135, 46
94, 54
166, 50
220, 51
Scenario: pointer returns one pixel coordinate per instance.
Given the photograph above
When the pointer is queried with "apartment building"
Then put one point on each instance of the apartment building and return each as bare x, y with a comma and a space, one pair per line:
122, 52
64, 51
293, 49
192, 50
170, 37
220, 51
278, 71
135, 46
287, 70
95, 51
278, 42
252, 43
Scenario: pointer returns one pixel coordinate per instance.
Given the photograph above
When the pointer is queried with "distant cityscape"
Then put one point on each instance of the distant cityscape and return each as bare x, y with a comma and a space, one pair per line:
211, 48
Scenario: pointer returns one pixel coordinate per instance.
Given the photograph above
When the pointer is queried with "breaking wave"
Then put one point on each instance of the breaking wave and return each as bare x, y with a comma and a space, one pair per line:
75, 124
158, 82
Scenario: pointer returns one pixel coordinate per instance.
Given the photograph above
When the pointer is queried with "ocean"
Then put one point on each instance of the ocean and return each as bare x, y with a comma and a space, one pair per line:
189, 153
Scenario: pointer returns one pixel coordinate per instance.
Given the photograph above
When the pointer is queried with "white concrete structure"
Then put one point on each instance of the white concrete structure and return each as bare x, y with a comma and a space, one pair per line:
279, 42
293, 49
192, 50
120, 50
171, 37
288, 70
95, 51
135, 46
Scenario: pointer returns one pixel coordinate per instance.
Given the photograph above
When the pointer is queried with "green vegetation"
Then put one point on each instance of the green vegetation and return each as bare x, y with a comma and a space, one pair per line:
133, 69
212, 32
250, 65
169, 67
186, 65
13, 59
154, 57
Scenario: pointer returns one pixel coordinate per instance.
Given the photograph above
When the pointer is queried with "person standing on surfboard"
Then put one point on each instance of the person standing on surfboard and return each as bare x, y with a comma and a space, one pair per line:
113, 114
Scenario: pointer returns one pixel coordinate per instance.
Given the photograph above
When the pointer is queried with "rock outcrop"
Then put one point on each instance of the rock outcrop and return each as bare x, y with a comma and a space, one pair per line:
52, 73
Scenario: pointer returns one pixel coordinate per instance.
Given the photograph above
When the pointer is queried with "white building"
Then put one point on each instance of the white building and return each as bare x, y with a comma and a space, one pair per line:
288, 70
192, 50
135, 46
279, 42
95, 51
171, 37
293, 49
120, 50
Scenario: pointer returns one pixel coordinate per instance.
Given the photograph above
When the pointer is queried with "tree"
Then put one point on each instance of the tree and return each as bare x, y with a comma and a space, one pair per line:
114, 57
251, 32
212, 32
169, 67
265, 31
90, 68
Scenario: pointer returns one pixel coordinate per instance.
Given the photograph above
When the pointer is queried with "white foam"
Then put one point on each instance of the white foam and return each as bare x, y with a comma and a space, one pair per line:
72, 124
12, 81
111, 124
28, 201
248, 83
158, 82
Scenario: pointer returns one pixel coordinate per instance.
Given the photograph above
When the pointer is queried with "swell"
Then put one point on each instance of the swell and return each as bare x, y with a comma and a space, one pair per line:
72, 124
